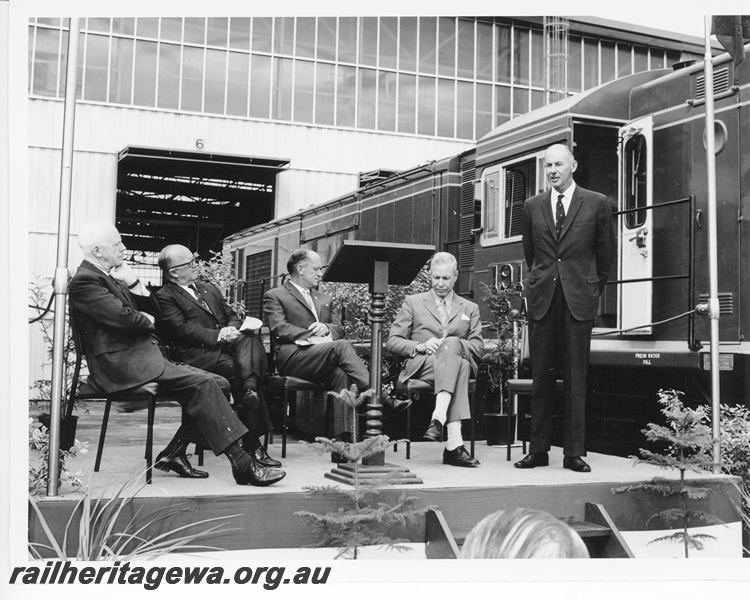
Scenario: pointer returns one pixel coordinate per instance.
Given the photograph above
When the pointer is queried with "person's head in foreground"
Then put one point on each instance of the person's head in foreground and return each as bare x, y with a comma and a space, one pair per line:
523, 533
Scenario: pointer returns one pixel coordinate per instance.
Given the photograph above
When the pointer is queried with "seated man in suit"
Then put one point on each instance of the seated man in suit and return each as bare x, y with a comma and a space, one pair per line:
114, 313
202, 330
440, 335
297, 314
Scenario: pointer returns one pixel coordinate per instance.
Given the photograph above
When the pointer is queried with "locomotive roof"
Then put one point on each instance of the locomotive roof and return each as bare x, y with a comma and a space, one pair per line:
609, 100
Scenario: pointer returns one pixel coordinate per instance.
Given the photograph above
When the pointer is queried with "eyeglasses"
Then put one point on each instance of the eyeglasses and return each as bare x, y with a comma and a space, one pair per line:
190, 263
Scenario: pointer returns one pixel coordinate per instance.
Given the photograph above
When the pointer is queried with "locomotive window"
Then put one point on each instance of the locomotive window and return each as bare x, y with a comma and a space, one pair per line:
506, 188
636, 150
516, 190
492, 205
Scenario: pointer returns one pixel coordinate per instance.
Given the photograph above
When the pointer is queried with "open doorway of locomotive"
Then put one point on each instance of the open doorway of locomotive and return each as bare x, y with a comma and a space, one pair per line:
595, 149
189, 198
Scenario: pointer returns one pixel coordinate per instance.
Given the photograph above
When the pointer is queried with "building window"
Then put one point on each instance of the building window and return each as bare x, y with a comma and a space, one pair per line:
192, 79
260, 86
97, 68
47, 62
304, 90
449, 77
325, 93
216, 77
145, 73
388, 44
386, 101
169, 76
427, 43
238, 84
407, 103
346, 93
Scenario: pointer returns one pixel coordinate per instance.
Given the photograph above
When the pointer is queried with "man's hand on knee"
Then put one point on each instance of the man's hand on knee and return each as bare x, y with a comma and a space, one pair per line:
430, 346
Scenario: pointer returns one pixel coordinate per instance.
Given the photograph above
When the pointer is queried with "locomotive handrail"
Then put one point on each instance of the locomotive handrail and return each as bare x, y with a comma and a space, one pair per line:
668, 320
690, 275
653, 206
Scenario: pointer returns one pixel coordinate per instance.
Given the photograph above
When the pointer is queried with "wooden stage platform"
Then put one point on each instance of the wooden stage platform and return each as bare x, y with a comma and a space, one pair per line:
265, 516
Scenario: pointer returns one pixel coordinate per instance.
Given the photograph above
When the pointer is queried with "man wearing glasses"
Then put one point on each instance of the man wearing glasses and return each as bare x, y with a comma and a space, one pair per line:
203, 331
308, 334
114, 314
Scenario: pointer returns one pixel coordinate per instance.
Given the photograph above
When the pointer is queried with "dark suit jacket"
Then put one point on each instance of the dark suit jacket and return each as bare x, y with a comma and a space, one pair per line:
580, 259
120, 344
418, 320
288, 316
190, 330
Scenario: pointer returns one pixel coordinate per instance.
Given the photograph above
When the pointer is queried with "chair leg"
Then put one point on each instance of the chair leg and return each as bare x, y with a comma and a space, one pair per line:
284, 422
102, 434
408, 428
150, 437
472, 397
199, 451
513, 411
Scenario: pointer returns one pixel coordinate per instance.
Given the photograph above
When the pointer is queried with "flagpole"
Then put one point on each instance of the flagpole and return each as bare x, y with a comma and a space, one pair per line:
713, 310
61, 272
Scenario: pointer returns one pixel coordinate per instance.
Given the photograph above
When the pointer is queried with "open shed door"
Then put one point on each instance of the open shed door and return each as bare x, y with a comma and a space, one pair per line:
636, 226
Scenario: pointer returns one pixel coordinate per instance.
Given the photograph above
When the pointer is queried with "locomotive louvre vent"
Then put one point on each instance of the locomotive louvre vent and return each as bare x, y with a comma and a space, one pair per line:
721, 83
466, 246
726, 302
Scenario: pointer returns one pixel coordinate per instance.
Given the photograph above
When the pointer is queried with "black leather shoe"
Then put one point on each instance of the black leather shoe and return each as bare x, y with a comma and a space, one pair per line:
459, 458
250, 399
264, 459
258, 475
180, 465
396, 405
538, 459
576, 463
434, 432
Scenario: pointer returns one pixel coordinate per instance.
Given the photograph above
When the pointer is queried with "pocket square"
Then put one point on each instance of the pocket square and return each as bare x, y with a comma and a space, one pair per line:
465, 317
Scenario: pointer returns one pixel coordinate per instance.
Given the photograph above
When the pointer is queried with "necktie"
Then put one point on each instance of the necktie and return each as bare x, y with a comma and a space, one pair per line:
443, 312
309, 300
199, 297
559, 215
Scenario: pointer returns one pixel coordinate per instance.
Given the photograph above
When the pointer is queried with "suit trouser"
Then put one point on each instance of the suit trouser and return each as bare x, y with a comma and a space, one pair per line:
238, 361
557, 339
335, 365
201, 395
449, 371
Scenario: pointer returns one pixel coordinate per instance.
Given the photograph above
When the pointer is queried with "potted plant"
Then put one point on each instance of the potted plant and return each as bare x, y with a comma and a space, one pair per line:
499, 363
40, 300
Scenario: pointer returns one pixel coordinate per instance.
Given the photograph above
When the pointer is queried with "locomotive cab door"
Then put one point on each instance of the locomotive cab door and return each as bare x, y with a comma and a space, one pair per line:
635, 227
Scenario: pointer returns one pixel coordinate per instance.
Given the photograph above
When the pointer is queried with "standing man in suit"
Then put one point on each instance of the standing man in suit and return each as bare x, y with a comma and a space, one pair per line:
114, 313
202, 330
440, 334
569, 245
309, 336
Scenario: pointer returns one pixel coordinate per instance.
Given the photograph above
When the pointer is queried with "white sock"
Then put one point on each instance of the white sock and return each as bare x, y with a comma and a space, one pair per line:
442, 401
454, 436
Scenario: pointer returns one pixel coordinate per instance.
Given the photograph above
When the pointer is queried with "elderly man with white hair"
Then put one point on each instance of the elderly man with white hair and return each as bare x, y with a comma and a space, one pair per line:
114, 313
440, 334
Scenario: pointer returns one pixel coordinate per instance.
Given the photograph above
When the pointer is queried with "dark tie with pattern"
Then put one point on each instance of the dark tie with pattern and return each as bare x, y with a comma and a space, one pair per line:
559, 215
199, 297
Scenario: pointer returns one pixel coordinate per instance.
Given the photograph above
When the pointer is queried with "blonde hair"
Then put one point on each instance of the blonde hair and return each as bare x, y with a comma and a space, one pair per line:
523, 533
